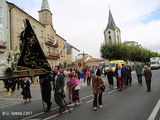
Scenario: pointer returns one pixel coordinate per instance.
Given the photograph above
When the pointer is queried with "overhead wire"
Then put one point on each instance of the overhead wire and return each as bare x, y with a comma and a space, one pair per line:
142, 16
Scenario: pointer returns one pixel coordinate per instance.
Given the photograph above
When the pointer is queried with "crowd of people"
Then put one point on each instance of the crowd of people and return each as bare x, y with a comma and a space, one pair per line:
74, 80
14, 83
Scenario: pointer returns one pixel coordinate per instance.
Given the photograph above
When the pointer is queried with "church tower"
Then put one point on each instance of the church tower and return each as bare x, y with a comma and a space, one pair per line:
112, 33
45, 15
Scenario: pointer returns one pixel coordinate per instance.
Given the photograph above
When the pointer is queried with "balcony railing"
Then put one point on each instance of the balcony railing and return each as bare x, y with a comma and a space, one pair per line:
54, 56
2, 48
51, 43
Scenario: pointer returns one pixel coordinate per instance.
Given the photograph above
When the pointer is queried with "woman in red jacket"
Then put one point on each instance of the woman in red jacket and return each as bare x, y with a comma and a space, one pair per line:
88, 76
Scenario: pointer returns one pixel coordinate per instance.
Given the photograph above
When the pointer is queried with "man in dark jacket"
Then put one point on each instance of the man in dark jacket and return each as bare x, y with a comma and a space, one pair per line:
115, 72
98, 73
120, 75
58, 87
129, 75
138, 70
45, 82
148, 75
125, 70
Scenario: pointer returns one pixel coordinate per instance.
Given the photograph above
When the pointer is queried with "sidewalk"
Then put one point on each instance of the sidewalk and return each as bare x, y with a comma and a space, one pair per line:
1, 85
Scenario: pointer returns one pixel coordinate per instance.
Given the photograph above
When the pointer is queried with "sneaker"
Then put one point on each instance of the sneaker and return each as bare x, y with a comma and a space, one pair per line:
78, 103
59, 114
100, 106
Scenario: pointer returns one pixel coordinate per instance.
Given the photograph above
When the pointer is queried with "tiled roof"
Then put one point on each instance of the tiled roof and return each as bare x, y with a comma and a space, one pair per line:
69, 45
94, 60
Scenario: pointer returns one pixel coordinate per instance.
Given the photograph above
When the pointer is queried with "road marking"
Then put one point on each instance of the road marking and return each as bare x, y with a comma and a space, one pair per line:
35, 84
134, 81
39, 113
154, 112
9, 105
107, 89
87, 96
55, 115
2, 89
33, 115
11, 99
71, 105
89, 101
92, 94
9, 93
112, 91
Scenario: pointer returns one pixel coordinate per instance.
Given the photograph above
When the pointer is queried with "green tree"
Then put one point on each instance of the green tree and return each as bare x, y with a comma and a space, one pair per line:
60, 65
124, 52
69, 65
73, 64
64, 64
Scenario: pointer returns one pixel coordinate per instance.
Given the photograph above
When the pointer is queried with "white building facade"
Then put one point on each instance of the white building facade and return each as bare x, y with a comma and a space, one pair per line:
75, 53
4, 34
72, 53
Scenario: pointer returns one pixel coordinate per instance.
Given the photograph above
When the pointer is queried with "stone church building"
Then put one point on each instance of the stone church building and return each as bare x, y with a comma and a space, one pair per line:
112, 33
49, 40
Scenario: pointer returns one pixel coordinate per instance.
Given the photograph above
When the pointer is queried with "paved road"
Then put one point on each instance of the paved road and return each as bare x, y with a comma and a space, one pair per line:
133, 103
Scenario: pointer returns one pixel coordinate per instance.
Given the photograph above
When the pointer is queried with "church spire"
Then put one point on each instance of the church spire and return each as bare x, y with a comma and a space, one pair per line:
111, 23
45, 15
45, 5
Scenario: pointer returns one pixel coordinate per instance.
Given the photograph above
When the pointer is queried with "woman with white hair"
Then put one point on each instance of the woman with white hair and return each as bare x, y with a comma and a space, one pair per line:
26, 90
148, 75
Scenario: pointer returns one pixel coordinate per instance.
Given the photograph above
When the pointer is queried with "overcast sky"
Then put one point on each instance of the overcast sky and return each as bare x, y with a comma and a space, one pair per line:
82, 22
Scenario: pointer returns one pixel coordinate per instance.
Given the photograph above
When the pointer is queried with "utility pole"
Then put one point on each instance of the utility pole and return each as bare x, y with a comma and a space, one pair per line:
83, 54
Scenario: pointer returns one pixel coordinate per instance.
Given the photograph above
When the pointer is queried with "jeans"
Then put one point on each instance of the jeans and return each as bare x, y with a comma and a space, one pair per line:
129, 79
139, 79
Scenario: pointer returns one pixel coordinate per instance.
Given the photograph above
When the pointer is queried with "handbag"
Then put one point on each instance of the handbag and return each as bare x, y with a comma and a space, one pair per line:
103, 87
77, 87
68, 84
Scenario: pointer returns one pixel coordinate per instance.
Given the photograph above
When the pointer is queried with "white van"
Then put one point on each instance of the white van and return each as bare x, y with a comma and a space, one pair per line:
155, 62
